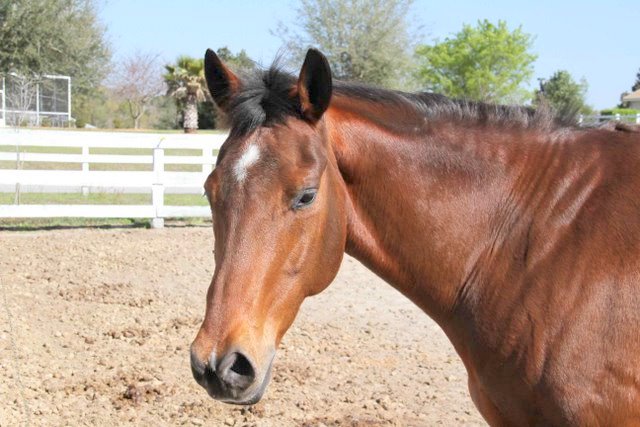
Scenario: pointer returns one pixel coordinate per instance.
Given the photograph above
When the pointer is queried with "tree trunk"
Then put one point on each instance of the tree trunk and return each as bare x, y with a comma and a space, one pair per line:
136, 110
191, 114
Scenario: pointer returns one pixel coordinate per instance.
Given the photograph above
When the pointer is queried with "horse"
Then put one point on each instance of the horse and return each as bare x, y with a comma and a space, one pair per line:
517, 233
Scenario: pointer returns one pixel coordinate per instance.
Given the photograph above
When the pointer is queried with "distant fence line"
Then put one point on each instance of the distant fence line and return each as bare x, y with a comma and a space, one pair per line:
157, 180
589, 120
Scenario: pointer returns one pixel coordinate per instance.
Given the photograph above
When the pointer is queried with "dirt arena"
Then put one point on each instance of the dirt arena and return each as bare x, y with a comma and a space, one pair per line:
95, 327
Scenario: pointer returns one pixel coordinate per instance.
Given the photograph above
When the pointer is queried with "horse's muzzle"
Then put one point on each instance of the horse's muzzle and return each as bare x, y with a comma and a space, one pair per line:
231, 379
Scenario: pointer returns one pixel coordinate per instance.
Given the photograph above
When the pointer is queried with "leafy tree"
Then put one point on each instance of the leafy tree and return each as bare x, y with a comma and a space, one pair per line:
163, 113
240, 63
364, 40
186, 83
636, 85
484, 63
54, 37
562, 93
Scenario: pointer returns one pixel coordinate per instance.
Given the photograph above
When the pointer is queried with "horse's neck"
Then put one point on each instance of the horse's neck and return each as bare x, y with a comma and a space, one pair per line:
421, 207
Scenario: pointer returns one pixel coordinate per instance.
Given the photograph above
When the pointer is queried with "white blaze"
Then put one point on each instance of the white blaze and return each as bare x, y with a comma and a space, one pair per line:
248, 158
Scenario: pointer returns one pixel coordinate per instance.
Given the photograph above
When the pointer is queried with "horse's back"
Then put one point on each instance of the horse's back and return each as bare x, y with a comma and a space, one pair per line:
573, 345
600, 340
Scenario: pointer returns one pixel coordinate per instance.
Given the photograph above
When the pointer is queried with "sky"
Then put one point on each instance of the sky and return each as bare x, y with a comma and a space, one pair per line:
595, 40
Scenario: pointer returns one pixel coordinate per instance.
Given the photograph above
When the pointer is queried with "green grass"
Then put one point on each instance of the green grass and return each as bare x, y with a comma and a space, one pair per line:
27, 224
100, 166
30, 224
42, 166
39, 149
101, 199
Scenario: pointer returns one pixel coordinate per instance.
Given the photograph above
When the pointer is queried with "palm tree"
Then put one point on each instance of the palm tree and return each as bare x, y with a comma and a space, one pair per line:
185, 81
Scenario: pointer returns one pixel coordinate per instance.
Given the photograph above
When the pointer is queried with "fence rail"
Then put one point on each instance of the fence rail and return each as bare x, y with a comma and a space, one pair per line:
157, 180
589, 120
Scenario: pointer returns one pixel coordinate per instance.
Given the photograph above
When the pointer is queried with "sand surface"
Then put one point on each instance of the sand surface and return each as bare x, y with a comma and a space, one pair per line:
95, 327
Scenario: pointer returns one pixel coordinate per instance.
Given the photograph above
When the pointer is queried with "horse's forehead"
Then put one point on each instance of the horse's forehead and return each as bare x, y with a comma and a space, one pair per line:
249, 157
268, 153
278, 144
242, 155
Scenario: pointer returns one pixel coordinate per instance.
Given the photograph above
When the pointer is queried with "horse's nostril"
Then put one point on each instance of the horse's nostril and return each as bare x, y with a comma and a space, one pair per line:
242, 366
236, 371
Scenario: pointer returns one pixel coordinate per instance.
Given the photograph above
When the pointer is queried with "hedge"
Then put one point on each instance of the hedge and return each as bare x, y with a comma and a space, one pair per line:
621, 111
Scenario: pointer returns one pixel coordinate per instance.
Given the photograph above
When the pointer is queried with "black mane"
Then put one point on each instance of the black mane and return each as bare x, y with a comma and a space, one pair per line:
265, 99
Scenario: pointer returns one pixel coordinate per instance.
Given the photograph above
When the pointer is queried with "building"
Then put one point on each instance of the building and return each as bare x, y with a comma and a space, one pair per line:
35, 100
632, 100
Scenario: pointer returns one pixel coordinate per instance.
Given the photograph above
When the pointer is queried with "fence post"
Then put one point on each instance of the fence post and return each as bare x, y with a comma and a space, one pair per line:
207, 166
638, 118
3, 106
580, 119
37, 103
157, 188
617, 117
85, 169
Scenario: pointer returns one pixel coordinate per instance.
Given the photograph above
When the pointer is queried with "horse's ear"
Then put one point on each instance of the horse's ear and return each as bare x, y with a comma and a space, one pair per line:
314, 85
222, 83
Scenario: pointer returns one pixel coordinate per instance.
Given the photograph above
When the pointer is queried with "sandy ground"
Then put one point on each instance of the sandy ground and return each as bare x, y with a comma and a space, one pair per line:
95, 327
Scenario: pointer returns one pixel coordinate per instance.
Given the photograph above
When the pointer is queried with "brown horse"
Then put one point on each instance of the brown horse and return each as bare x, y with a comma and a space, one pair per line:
518, 235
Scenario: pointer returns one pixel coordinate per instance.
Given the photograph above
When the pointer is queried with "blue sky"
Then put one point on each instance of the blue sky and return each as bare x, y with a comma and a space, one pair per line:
597, 40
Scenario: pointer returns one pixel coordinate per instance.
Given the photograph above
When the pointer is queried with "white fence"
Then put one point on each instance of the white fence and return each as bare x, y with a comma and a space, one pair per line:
3, 106
156, 180
585, 120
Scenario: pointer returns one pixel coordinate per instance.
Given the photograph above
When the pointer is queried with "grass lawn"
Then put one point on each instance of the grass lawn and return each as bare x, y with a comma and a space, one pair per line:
100, 166
30, 224
26, 224
101, 199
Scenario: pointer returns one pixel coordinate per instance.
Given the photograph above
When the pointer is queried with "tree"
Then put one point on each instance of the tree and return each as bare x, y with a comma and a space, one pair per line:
364, 40
483, 63
636, 85
137, 81
239, 63
54, 37
20, 97
564, 95
185, 82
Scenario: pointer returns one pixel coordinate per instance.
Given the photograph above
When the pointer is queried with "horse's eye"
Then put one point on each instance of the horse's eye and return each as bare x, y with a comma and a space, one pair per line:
305, 198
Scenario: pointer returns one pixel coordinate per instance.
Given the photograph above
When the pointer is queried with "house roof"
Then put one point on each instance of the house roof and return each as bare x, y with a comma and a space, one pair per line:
633, 96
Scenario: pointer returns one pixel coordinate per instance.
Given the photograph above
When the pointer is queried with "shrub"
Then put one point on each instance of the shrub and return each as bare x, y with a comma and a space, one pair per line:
621, 111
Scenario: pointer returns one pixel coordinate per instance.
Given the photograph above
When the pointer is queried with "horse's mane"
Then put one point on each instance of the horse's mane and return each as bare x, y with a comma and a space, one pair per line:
265, 99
